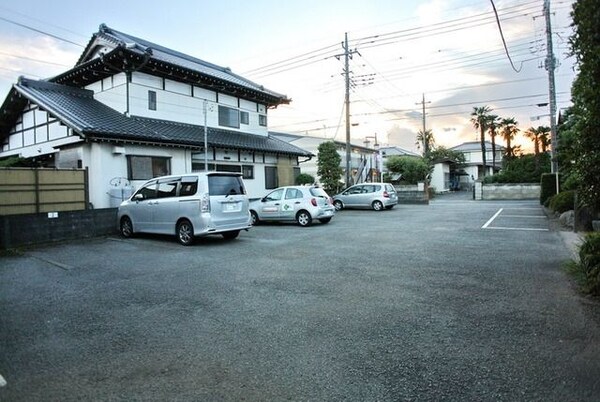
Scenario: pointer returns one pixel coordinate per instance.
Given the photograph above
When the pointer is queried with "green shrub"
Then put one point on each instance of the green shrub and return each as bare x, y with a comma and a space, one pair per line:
548, 187
589, 261
562, 202
304, 178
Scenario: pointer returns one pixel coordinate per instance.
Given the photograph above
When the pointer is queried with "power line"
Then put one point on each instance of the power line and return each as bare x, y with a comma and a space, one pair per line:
40, 31
35, 60
503, 40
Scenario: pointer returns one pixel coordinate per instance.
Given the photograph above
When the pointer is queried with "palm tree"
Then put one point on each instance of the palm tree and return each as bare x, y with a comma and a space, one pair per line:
544, 136
479, 118
426, 139
509, 130
492, 123
533, 134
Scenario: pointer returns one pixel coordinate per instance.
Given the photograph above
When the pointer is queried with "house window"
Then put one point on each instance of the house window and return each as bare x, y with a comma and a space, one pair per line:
244, 118
262, 120
271, 180
147, 167
151, 100
229, 117
248, 171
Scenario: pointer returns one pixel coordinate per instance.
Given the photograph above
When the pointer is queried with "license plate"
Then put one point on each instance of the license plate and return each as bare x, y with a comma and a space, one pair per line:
231, 207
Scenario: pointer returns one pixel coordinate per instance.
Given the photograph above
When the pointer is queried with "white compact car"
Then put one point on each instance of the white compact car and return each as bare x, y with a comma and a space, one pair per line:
300, 204
195, 204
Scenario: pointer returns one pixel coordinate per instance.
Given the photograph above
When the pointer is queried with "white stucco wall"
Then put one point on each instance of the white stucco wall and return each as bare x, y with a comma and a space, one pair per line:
175, 101
438, 177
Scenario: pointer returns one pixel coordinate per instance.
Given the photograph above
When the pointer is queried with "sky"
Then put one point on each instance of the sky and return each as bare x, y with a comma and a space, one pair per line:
449, 52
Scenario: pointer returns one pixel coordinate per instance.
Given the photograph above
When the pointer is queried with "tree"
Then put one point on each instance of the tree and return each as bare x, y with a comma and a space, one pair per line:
508, 130
544, 137
492, 124
534, 134
425, 139
479, 118
522, 169
328, 166
411, 169
585, 94
567, 136
304, 178
443, 153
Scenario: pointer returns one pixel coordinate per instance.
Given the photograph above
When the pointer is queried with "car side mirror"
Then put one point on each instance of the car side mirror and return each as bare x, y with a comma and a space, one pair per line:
138, 197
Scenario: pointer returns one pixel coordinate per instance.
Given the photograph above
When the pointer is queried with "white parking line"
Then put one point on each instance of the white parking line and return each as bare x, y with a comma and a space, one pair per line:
524, 216
489, 222
492, 218
2, 381
509, 228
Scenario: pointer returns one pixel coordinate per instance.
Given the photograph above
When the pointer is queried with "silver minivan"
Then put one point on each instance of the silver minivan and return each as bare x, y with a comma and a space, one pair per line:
188, 205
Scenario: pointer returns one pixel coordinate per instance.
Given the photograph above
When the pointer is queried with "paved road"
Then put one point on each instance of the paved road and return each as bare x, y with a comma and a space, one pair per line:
458, 300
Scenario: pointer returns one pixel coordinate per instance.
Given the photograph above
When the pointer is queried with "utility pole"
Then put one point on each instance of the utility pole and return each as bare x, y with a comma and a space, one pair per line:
347, 56
424, 123
550, 66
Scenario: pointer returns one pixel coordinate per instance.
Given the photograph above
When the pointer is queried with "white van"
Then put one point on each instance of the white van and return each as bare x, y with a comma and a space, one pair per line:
195, 204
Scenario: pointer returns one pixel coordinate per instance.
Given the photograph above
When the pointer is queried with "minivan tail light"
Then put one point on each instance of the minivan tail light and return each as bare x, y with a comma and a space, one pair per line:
205, 203
313, 201
386, 194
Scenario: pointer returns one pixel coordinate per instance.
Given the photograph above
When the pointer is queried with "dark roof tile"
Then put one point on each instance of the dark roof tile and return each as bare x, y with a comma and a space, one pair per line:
92, 119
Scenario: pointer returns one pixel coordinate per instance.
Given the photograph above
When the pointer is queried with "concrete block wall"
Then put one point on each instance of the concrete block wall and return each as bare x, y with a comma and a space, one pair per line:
501, 191
411, 194
30, 229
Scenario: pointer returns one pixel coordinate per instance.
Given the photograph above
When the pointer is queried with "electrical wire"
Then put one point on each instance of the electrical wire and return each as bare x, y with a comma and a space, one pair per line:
504, 41
40, 31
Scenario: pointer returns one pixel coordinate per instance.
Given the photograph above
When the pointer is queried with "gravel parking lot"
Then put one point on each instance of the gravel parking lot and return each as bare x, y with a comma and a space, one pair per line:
416, 303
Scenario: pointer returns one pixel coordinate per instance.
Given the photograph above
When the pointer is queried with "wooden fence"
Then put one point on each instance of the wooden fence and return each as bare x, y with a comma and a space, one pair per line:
33, 190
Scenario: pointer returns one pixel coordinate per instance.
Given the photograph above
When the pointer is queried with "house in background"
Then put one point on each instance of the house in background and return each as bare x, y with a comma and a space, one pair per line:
130, 110
365, 162
473, 167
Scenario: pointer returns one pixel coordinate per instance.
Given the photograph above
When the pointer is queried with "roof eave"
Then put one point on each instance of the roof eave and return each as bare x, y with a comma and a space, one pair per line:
123, 59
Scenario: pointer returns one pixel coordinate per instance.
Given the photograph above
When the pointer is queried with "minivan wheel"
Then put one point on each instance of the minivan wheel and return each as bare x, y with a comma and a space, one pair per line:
377, 205
254, 217
338, 205
231, 235
303, 218
185, 232
126, 227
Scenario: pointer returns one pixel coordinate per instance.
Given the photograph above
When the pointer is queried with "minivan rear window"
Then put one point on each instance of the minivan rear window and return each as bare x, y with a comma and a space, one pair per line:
225, 185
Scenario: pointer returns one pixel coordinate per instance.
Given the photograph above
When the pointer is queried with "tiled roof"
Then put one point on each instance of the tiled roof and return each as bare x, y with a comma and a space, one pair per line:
78, 109
112, 38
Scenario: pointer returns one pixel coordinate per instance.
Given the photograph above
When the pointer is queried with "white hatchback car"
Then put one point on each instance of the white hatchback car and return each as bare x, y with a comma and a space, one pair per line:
301, 204
367, 195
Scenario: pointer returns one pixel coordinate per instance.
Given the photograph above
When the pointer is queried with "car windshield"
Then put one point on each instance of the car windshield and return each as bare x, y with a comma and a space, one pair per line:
318, 192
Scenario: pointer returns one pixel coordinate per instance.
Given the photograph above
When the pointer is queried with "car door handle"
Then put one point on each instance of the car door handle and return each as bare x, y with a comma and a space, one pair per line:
276, 203
297, 202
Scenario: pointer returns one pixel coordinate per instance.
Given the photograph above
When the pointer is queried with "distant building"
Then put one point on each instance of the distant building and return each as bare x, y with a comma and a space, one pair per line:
473, 158
365, 163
